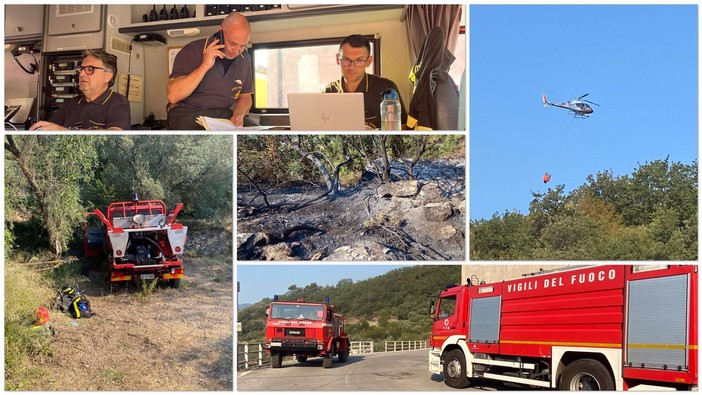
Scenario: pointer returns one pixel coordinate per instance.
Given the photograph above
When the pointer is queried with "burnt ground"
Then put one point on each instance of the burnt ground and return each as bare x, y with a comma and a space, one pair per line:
166, 340
401, 220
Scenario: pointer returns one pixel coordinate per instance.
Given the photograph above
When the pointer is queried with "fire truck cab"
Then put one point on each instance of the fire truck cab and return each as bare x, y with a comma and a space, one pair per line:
605, 327
305, 330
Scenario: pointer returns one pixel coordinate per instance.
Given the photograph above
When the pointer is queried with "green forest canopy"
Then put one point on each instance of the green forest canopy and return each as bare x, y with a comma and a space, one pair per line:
398, 301
648, 215
52, 180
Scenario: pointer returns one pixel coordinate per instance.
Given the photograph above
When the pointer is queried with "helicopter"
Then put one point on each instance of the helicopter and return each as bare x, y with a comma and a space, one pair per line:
578, 107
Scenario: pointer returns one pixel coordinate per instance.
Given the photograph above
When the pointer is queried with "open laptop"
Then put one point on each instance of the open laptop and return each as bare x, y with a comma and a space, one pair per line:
326, 111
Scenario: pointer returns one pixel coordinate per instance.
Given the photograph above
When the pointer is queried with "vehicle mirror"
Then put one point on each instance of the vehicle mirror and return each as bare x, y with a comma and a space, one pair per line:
431, 308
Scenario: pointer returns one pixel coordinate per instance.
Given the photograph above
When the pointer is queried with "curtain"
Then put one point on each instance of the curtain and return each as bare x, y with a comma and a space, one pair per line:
421, 18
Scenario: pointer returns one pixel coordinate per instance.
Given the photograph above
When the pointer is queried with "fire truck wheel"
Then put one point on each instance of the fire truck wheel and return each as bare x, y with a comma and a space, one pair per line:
455, 369
344, 355
276, 360
301, 358
174, 283
586, 375
327, 361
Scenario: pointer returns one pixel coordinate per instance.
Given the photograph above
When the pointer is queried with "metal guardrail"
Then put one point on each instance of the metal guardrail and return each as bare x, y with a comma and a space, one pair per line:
250, 355
405, 345
362, 347
253, 355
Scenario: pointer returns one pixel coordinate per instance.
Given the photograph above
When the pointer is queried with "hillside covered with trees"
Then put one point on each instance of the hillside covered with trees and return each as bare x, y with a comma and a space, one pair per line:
648, 215
393, 306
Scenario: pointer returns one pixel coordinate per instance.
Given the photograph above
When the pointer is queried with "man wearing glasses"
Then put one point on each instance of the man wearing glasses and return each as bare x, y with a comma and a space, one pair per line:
98, 107
212, 77
353, 57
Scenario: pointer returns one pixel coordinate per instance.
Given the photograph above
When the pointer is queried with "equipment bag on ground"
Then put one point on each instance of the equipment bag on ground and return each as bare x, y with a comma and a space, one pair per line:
71, 301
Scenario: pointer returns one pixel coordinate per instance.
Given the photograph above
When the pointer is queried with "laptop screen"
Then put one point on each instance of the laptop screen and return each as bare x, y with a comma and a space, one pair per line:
326, 111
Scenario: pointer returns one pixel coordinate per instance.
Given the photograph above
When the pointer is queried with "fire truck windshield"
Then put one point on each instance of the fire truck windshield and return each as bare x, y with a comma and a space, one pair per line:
300, 312
447, 306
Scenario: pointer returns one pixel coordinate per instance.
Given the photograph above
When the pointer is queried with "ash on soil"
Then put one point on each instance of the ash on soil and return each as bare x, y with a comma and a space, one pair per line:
401, 220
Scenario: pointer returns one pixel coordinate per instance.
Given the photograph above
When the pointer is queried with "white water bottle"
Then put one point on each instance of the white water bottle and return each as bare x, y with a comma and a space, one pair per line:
390, 111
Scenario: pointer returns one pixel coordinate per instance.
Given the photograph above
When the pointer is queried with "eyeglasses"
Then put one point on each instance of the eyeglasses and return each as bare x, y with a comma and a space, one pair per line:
89, 70
358, 62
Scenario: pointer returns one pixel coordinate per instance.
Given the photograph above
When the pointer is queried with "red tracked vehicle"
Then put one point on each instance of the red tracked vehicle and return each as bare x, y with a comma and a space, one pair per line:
305, 330
141, 240
609, 327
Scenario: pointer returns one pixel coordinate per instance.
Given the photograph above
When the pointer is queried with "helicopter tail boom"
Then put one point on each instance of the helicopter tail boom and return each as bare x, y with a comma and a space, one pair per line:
546, 102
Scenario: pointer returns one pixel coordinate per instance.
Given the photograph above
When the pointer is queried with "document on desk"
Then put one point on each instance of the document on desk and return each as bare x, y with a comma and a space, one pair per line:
224, 125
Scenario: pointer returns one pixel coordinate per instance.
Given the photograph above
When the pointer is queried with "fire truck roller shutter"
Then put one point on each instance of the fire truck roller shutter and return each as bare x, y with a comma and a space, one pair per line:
485, 320
657, 323
176, 238
118, 240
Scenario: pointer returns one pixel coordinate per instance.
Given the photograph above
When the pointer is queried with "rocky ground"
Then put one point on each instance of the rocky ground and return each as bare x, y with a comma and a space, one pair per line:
422, 219
165, 340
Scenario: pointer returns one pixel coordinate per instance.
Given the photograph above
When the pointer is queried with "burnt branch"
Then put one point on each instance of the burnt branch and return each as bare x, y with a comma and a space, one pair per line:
260, 191
333, 188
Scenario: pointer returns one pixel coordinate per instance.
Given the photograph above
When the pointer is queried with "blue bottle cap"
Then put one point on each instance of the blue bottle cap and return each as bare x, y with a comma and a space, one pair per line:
390, 94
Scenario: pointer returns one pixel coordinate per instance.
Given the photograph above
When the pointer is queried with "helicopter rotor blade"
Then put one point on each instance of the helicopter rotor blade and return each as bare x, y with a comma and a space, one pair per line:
591, 102
580, 97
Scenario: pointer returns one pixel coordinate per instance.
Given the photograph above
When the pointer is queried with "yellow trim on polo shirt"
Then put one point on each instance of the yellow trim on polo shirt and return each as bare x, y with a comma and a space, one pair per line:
108, 96
341, 83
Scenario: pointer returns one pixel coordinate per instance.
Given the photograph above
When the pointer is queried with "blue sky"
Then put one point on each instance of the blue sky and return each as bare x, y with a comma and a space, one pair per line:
638, 62
263, 281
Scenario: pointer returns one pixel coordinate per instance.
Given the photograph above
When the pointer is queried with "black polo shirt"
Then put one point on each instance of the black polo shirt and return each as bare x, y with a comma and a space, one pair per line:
221, 86
372, 87
111, 109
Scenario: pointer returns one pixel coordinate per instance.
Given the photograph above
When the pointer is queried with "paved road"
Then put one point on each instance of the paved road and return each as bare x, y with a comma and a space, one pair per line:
392, 371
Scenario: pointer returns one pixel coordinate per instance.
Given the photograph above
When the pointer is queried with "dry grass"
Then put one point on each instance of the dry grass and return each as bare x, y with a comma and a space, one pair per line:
180, 339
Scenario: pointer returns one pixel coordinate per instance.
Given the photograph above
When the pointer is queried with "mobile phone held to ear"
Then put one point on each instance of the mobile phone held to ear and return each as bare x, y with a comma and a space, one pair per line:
220, 36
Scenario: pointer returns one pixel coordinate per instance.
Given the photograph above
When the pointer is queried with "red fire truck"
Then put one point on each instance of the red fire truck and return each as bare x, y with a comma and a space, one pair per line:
305, 330
605, 327
141, 240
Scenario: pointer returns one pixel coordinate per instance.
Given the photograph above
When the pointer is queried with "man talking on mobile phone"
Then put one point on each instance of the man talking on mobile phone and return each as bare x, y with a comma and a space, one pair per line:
212, 77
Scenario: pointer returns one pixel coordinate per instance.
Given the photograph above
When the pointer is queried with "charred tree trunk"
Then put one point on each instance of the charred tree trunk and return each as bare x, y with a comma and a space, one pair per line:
313, 156
382, 150
332, 190
423, 145
382, 170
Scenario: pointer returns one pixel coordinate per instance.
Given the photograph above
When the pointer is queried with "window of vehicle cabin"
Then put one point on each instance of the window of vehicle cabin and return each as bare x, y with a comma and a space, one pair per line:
298, 66
315, 313
459, 65
447, 306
